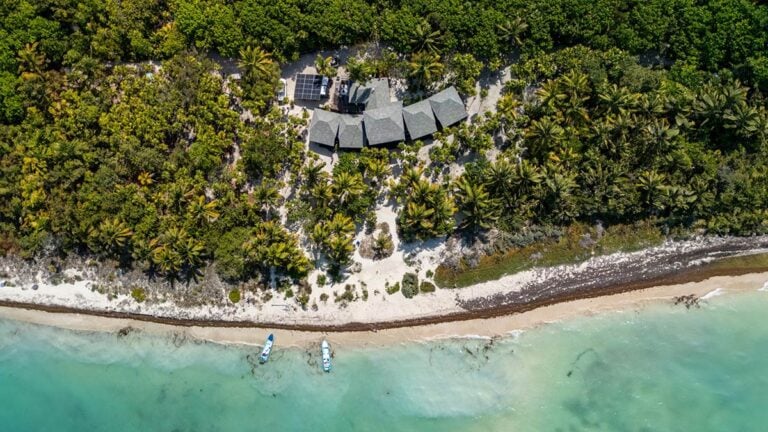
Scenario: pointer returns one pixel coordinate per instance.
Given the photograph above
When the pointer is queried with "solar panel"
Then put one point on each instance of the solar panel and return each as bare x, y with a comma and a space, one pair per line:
308, 87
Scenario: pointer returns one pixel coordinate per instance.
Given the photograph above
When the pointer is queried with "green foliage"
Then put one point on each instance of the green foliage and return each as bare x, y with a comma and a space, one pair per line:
391, 289
347, 296
101, 153
139, 294
410, 285
546, 248
234, 296
477, 206
383, 245
424, 70
426, 287
260, 77
427, 208
322, 279
465, 71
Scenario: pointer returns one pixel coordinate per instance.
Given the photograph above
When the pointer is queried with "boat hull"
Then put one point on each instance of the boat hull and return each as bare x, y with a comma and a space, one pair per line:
325, 350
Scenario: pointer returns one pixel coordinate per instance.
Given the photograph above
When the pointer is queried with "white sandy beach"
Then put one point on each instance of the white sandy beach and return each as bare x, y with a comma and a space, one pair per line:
380, 307
488, 328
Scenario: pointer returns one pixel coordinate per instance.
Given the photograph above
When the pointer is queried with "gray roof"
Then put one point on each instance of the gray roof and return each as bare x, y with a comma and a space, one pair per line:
448, 107
419, 119
351, 132
324, 127
373, 94
384, 125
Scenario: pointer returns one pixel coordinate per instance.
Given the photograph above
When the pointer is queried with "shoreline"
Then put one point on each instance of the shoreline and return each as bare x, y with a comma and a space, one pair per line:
669, 264
496, 308
489, 327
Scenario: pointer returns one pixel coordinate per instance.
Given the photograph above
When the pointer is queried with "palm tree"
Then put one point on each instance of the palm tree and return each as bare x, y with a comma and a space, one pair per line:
550, 95
200, 210
313, 173
376, 168
425, 39
382, 245
479, 210
500, 177
112, 234
347, 186
145, 179
743, 119
341, 225
255, 63
558, 198
167, 260
545, 135
512, 31
339, 250
527, 177
508, 108
191, 252
680, 199
617, 100
575, 84
173, 237
320, 233
31, 62
267, 197
424, 192
651, 187
652, 104
411, 176
733, 94
324, 67
322, 195
277, 255
709, 105
659, 135
425, 68
416, 220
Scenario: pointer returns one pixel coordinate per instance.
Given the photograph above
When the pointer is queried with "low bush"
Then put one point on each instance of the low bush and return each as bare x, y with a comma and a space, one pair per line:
234, 296
391, 289
139, 294
427, 287
410, 285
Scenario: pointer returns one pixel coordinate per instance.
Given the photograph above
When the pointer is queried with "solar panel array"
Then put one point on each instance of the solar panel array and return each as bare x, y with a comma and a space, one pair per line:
308, 87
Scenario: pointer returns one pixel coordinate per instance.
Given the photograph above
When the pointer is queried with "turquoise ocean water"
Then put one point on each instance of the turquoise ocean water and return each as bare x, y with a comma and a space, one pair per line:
663, 369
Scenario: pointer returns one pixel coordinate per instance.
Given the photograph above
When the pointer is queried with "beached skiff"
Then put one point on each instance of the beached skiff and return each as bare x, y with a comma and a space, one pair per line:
326, 350
267, 348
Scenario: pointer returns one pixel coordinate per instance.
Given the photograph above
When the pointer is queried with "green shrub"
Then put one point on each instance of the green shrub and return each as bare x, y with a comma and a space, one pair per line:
322, 279
410, 285
288, 293
139, 294
323, 297
427, 287
394, 288
234, 296
230, 259
347, 296
430, 273
303, 299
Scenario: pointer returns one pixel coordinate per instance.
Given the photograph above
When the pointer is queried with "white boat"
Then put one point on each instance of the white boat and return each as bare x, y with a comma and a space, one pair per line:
326, 350
267, 348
